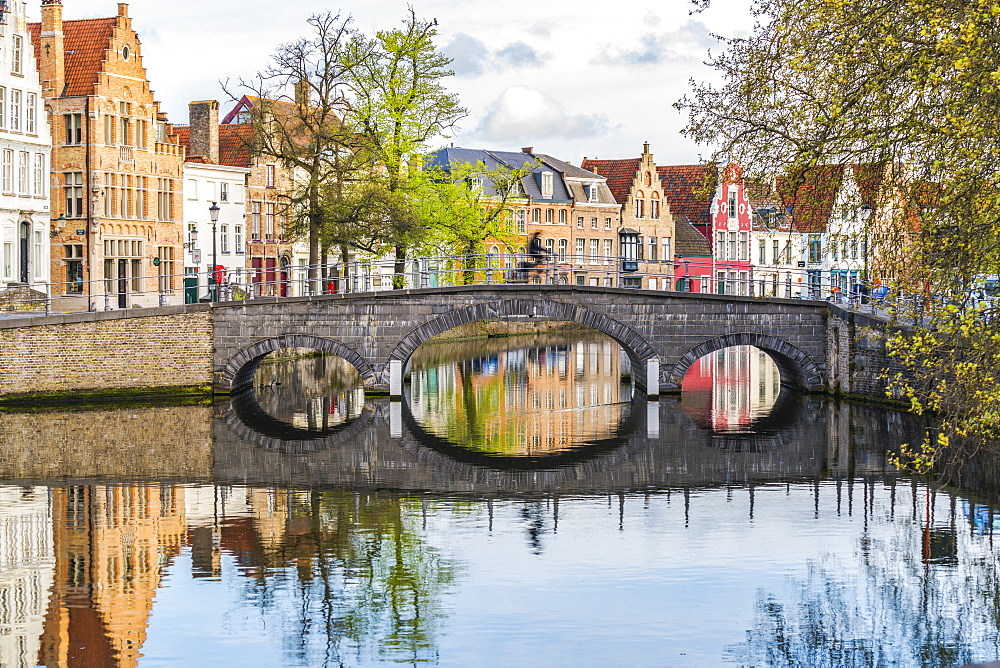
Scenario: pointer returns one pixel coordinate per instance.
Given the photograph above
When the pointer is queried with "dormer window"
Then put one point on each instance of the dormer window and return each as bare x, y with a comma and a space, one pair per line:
592, 192
476, 184
547, 185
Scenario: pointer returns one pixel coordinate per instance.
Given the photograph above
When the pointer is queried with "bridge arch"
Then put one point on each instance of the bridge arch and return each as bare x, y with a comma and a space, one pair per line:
634, 344
238, 372
796, 367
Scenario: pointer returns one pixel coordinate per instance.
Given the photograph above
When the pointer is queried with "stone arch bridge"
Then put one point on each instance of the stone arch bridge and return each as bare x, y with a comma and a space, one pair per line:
817, 346
661, 332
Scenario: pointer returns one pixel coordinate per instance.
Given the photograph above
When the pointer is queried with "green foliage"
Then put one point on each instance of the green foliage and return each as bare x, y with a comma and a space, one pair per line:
910, 88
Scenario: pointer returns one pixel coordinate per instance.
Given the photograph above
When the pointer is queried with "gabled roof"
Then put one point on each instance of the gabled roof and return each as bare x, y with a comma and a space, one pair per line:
620, 174
235, 141
809, 196
85, 42
682, 188
689, 242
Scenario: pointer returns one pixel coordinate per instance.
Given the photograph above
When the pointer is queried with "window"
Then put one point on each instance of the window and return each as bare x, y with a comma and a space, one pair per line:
3, 107
17, 50
140, 133
192, 234
109, 194
595, 250
652, 249
164, 208
23, 165
815, 248
666, 249
580, 248
74, 128
40, 246
732, 245
549, 216
579, 222
720, 245
140, 197
547, 185
15, 110
8, 259
563, 249
762, 252
522, 221
255, 220
109, 129
223, 192
166, 268
593, 223
608, 251
192, 189
788, 252
562, 216
607, 223
238, 238
639, 208
224, 238
744, 246
124, 130
74, 194
733, 208
269, 176
30, 102
269, 220
536, 216
123, 260
654, 208
161, 131
775, 245
548, 247
38, 175
593, 195
7, 171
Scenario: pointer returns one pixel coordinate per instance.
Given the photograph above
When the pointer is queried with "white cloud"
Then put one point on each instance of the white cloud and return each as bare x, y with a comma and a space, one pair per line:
525, 113
472, 58
688, 42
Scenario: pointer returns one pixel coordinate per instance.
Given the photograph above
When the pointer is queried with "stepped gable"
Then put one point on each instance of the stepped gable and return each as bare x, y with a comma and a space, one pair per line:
620, 174
683, 187
86, 41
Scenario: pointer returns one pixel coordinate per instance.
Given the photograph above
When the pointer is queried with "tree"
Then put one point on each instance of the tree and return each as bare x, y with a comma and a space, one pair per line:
908, 87
398, 104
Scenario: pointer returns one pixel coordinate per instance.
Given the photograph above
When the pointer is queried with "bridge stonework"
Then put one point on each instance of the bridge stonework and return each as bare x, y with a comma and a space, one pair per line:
817, 346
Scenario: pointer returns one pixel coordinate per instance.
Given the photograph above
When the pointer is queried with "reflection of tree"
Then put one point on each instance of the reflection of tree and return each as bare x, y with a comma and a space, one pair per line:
353, 577
900, 611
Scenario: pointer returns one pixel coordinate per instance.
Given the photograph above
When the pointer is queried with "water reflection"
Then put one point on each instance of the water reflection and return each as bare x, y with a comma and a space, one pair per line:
525, 397
253, 533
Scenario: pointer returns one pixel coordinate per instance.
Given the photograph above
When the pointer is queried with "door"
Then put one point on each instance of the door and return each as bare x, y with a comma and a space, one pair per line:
122, 283
191, 289
24, 248
283, 276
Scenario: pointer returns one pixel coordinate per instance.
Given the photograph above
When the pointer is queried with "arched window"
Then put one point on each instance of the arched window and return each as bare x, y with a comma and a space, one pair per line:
563, 250
683, 284
549, 216
654, 206
640, 205
536, 215
648, 180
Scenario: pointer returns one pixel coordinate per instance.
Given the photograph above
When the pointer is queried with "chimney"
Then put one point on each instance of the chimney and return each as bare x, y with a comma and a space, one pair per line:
204, 133
645, 148
52, 65
528, 149
302, 93
123, 9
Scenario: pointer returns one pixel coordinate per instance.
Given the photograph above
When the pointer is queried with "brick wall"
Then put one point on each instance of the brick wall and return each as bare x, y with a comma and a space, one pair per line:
109, 350
857, 356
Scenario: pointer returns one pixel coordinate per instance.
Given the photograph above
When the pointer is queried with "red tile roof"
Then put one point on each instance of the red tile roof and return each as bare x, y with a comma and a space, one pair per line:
85, 42
684, 188
620, 174
809, 196
235, 142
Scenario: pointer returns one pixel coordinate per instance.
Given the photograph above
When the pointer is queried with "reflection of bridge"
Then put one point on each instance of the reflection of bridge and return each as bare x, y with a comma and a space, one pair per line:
652, 450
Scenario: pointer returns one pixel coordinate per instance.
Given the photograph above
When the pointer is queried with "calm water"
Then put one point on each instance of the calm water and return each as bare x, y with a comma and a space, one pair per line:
519, 508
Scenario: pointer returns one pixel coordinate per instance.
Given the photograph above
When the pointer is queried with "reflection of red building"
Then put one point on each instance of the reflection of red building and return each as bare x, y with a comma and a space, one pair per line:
730, 388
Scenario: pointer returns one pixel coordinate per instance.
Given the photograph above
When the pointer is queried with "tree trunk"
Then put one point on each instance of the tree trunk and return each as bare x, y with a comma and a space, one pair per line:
399, 269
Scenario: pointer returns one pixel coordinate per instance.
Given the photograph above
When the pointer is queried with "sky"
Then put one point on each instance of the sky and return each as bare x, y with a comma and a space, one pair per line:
571, 79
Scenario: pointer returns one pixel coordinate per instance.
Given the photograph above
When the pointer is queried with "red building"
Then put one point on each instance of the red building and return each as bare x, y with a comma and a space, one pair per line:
716, 206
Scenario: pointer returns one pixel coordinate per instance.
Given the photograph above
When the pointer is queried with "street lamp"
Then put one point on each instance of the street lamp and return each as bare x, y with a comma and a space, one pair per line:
213, 212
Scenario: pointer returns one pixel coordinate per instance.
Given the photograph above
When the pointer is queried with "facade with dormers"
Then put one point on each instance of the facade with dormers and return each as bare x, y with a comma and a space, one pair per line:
116, 167
24, 158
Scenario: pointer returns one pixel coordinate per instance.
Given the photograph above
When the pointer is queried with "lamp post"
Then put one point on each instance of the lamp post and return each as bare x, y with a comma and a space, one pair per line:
213, 212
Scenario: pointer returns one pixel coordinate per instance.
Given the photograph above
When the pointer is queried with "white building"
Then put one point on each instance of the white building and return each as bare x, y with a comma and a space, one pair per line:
222, 244
25, 147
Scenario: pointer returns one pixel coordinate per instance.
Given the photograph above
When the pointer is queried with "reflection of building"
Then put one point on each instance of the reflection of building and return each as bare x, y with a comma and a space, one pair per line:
533, 400
110, 544
26, 564
730, 388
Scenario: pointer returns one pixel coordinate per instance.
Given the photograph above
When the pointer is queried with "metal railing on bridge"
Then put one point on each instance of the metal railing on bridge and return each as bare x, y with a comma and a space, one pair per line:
847, 287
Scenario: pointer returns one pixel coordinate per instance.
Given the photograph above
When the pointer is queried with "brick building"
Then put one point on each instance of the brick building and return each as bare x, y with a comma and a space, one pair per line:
636, 187
115, 169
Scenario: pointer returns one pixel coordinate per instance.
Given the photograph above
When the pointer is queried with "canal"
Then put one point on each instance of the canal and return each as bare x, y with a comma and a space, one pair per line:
524, 505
